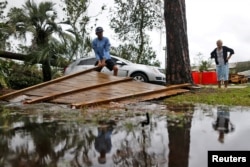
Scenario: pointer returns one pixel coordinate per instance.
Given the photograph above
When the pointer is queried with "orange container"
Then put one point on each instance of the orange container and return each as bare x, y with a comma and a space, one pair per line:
209, 77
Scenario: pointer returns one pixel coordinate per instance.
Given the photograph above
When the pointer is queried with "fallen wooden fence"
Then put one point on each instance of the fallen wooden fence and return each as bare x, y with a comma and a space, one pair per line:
89, 87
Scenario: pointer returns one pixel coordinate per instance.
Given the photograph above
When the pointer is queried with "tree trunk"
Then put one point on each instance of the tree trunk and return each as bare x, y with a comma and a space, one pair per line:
10, 55
178, 69
47, 73
28, 58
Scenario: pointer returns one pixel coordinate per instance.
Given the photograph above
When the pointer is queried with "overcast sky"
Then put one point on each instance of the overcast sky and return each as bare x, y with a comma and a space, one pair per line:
207, 21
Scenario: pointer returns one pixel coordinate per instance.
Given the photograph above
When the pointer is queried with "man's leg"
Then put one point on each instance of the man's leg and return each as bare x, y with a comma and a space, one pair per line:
219, 84
115, 69
226, 83
112, 66
226, 73
218, 72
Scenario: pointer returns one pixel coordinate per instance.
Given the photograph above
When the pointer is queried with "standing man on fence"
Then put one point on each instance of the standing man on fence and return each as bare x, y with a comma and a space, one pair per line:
101, 46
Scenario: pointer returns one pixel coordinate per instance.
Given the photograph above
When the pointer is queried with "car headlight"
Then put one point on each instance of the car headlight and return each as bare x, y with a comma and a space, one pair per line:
156, 70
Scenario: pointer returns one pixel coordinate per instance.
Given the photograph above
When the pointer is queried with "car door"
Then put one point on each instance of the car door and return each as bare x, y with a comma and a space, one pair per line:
86, 64
122, 71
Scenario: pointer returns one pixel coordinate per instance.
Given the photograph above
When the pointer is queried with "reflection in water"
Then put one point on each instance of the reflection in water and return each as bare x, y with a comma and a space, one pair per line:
128, 156
146, 122
36, 144
204, 138
139, 148
223, 124
103, 142
61, 143
169, 140
123, 155
179, 135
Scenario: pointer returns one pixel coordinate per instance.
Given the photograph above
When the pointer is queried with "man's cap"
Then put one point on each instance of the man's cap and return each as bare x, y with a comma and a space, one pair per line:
99, 29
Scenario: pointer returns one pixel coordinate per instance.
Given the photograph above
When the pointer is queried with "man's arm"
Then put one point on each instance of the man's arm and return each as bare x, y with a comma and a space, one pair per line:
95, 50
213, 54
106, 49
232, 126
231, 52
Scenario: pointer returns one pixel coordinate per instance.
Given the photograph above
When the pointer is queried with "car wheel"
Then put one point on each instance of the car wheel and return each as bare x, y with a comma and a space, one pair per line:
140, 77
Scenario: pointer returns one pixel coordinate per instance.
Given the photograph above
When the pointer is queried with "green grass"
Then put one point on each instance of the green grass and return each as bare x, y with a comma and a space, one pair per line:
215, 96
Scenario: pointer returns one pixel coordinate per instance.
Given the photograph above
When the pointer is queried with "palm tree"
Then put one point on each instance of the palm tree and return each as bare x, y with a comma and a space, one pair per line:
3, 38
40, 21
5, 31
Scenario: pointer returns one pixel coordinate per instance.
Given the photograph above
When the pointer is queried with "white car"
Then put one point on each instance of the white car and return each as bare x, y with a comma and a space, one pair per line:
139, 72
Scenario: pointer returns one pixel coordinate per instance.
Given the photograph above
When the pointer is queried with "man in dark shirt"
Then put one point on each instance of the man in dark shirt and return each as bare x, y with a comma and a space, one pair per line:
221, 57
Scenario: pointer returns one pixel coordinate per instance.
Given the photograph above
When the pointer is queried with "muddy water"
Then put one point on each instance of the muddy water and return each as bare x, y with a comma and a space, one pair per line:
175, 136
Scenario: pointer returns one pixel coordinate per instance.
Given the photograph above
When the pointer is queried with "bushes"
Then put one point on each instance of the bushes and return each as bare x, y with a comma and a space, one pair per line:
19, 80
17, 76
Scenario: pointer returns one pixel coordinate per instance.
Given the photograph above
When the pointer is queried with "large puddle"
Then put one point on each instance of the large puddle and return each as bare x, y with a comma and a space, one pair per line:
175, 136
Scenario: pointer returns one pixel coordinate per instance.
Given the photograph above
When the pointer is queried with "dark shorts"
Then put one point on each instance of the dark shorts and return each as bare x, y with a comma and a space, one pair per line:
109, 64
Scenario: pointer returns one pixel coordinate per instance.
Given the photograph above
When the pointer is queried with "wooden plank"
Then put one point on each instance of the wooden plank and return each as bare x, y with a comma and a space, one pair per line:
56, 88
152, 96
116, 91
79, 95
48, 89
88, 79
15, 93
113, 91
80, 104
55, 95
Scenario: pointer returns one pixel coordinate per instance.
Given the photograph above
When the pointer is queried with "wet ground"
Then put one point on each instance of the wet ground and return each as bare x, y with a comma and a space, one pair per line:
174, 136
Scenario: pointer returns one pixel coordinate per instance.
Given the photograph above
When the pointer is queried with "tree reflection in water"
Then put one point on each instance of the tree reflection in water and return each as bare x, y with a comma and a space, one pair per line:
179, 135
25, 141
126, 156
45, 144
137, 147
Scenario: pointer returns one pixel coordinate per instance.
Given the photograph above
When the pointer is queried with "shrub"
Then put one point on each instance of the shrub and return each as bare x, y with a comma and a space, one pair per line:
18, 76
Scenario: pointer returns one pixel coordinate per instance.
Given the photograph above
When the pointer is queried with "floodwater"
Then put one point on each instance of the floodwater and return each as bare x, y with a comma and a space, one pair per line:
175, 136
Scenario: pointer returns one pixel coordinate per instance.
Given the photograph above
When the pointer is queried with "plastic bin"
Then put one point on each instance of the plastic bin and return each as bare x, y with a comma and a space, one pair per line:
196, 77
209, 77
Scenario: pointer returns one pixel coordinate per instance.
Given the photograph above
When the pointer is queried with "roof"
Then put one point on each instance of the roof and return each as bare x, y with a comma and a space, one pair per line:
246, 73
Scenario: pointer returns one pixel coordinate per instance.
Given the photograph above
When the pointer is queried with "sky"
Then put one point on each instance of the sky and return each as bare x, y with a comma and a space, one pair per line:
207, 21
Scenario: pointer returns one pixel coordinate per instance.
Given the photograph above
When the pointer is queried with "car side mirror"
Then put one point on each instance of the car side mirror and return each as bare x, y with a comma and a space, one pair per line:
120, 62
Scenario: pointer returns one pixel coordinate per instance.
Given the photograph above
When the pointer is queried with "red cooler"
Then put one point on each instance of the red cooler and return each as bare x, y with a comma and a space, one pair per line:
209, 77
196, 77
